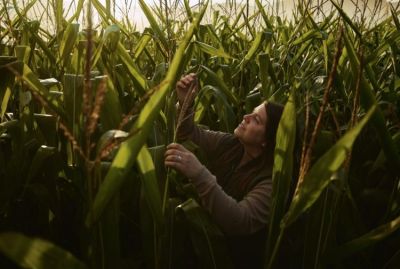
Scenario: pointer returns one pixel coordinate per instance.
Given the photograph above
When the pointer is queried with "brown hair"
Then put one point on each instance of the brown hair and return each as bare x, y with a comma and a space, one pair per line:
274, 114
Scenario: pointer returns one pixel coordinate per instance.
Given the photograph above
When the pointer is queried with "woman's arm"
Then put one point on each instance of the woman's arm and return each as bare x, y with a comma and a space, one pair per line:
187, 129
235, 218
207, 140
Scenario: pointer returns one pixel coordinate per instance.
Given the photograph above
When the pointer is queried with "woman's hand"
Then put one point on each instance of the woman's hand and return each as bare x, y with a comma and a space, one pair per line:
182, 160
184, 85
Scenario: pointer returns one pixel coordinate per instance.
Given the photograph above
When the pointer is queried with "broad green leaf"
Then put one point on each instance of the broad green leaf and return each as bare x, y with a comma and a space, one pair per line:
129, 149
5, 83
312, 34
111, 111
346, 18
368, 239
107, 17
17, 20
211, 50
321, 172
39, 159
48, 127
219, 83
78, 10
255, 47
68, 41
141, 45
267, 68
23, 72
188, 10
22, 53
301, 51
138, 78
154, 25
265, 82
150, 184
282, 175
264, 14
208, 240
367, 100
110, 36
395, 17
58, 10
224, 110
36, 253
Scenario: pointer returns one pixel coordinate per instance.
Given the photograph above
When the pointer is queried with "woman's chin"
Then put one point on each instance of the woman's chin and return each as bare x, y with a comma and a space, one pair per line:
237, 132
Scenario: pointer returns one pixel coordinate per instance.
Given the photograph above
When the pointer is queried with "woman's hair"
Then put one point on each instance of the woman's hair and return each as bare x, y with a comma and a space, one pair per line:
274, 113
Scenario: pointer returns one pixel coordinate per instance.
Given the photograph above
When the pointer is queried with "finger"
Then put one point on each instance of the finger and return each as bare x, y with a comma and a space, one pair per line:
181, 84
173, 159
172, 164
177, 147
187, 80
173, 152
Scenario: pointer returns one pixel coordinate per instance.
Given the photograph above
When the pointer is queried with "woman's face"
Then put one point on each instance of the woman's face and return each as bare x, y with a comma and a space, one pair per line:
251, 131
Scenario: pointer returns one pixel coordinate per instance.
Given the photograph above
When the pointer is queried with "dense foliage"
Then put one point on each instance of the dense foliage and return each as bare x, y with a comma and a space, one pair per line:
86, 113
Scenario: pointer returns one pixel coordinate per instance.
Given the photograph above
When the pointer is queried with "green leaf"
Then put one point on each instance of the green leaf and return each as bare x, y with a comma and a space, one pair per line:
22, 71
211, 50
320, 174
255, 47
264, 14
368, 99
214, 79
141, 45
36, 253
282, 173
138, 78
312, 34
111, 37
150, 184
207, 239
68, 42
346, 18
129, 149
368, 239
154, 25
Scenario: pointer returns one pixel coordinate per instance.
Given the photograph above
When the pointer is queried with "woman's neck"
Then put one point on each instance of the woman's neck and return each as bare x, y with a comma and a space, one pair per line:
249, 154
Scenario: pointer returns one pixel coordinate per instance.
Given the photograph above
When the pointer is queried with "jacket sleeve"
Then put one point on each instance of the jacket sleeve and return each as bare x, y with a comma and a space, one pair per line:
207, 140
234, 217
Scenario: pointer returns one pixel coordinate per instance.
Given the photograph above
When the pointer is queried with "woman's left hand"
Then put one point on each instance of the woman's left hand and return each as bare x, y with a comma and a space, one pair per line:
182, 160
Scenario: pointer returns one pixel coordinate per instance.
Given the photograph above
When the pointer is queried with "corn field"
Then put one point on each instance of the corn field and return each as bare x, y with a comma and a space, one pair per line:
88, 108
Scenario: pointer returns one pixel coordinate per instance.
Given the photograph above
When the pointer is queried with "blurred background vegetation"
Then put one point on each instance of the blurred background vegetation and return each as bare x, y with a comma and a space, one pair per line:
87, 107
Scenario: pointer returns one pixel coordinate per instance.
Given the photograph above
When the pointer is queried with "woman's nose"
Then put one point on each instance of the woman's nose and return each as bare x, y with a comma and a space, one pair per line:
246, 118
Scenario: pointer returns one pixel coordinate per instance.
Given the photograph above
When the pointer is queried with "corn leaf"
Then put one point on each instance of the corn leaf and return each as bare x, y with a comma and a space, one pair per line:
369, 239
68, 41
367, 99
217, 81
36, 253
129, 149
22, 71
282, 173
150, 184
138, 78
321, 172
211, 50
153, 23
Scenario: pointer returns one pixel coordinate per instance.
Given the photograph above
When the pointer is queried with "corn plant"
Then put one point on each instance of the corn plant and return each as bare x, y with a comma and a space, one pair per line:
88, 106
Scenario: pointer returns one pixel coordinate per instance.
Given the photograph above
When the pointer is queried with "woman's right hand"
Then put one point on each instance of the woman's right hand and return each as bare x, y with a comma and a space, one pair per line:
184, 85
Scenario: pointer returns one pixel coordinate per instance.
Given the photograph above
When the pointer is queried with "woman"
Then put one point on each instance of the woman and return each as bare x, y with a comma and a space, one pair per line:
236, 185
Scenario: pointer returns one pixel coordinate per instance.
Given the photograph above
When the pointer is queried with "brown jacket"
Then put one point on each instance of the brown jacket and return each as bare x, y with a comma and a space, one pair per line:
238, 198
